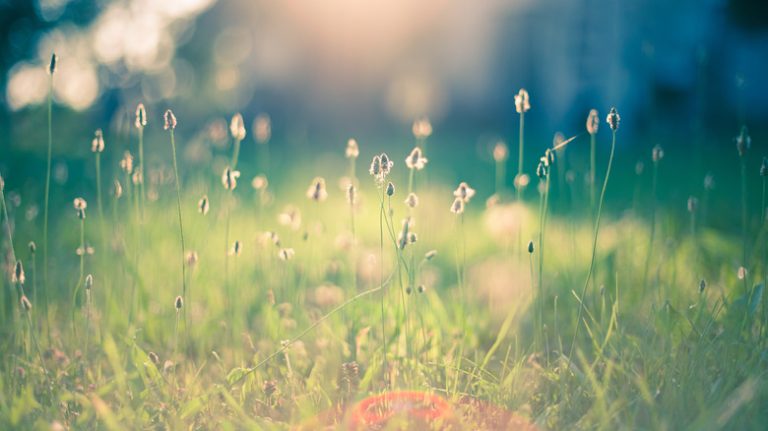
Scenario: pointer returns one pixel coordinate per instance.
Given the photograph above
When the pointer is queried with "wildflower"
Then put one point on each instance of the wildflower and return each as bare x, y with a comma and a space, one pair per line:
117, 189
32, 247
97, 144
316, 190
52, 64
352, 151
764, 167
530, 247
500, 152
141, 116
192, 258
262, 128
237, 249
416, 160
80, 205
18, 273
458, 206
693, 204
412, 200
613, 119
351, 194
390, 189
178, 303
592, 122
126, 163
286, 253
464, 192
422, 128
743, 141
229, 178
169, 119
260, 182
237, 127
657, 153
522, 101
25, 304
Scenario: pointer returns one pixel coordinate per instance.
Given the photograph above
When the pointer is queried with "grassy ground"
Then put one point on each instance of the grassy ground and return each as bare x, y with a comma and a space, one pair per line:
321, 305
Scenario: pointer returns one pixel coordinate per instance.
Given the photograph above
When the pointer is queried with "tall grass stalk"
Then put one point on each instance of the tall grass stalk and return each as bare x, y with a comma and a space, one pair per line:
170, 125
76, 290
521, 140
51, 71
613, 121
657, 155
542, 227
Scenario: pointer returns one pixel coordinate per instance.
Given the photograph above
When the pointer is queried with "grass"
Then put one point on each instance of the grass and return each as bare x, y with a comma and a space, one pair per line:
282, 342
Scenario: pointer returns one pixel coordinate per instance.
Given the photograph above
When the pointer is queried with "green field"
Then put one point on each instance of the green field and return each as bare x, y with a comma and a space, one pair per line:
285, 305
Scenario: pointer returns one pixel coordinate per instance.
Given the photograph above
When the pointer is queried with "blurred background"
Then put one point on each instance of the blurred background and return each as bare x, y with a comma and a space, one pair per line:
686, 73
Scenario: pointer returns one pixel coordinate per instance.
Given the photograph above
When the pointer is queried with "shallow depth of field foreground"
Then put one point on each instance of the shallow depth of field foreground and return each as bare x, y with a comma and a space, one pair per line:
447, 216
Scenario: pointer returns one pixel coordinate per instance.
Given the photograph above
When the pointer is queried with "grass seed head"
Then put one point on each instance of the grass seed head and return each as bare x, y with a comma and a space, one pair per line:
416, 160
52, 64
390, 189
593, 122
88, 282
464, 192
613, 119
412, 200
317, 191
192, 258
530, 247
375, 169
741, 273
743, 141
430, 255
97, 144
657, 153
522, 101
351, 194
458, 206
154, 358
500, 152
702, 285
126, 163
141, 116
709, 181
229, 178
764, 167
18, 273
286, 254
237, 249
32, 247
203, 206
80, 205
178, 303
522, 181
260, 182
237, 127
422, 128
352, 151
693, 204
169, 120
421, 289
262, 128
541, 169
138, 176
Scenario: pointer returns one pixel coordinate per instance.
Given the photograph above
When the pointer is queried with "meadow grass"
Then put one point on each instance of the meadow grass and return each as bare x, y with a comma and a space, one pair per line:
306, 323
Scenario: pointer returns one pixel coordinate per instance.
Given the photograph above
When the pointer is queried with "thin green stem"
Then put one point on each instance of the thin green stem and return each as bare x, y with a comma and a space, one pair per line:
48, 183
76, 290
594, 246
592, 171
142, 173
520, 154
181, 224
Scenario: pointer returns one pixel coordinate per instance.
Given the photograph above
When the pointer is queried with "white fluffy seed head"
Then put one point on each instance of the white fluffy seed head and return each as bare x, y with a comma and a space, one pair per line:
613, 119
141, 116
353, 150
522, 101
169, 120
97, 144
237, 127
593, 122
